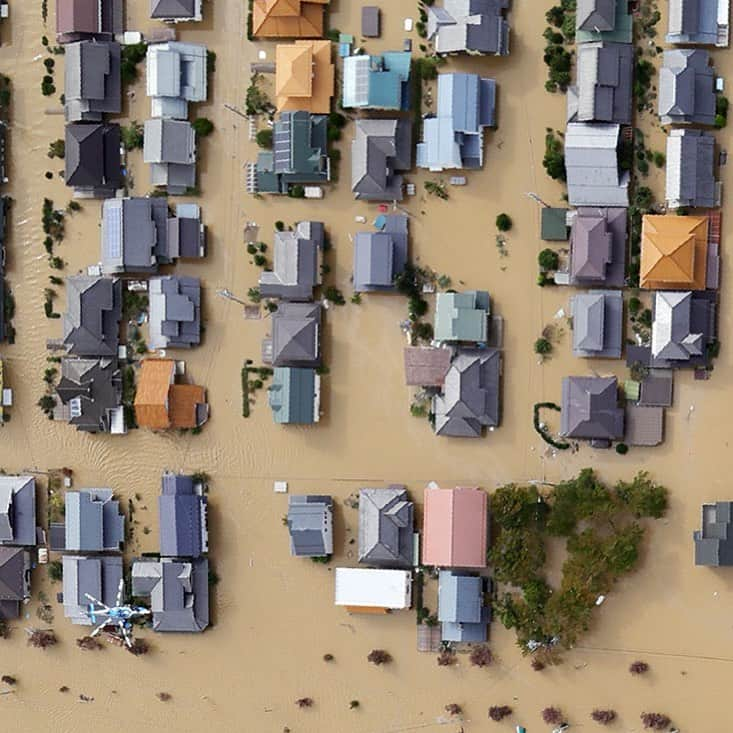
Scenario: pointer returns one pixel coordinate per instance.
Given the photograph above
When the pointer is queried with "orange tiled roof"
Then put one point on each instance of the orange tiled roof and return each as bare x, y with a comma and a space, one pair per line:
288, 18
151, 398
183, 399
674, 252
304, 76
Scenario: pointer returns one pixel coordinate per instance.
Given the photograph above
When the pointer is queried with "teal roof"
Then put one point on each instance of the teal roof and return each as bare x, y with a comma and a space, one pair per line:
293, 395
554, 226
622, 33
462, 316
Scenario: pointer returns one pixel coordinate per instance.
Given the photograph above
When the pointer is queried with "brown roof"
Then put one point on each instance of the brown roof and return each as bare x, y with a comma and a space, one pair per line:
183, 401
644, 425
304, 76
77, 16
426, 367
151, 399
674, 252
288, 18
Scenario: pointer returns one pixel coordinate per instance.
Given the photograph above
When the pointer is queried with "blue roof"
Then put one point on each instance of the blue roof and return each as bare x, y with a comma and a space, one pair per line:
379, 82
182, 509
461, 609
293, 396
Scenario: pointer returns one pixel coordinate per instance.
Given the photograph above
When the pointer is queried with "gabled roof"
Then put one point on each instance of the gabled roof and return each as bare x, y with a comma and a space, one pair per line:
386, 518
691, 170
170, 146
426, 366
310, 523
182, 509
186, 233
471, 26
674, 252
17, 510
77, 19
597, 323
93, 521
97, 576
151, 398
14, 586
714, 542
296, 335
672, 336
381, 255
91, 323
590, 409
92, 160
377, 82
294, 396
603, 20
175, 9
462, 316
687, 87
92, 81
455, 528
366, 588
304, 77
461, 610
175, 312
288, 18
176, 75
697, 21
598, 247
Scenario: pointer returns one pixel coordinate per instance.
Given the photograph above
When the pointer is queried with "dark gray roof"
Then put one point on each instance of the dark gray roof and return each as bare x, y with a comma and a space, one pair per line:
175, 312
17, 510
179, 593
370, 25
310, 523
296, 263
296, 335
93, 521
598, 323
461, 610
644, 425
134, 235
91, 324
475, 26
714, 542
656, 390
92, 82
15, 568
677, 336
386, 518
93, 163
380, 149
182, 511
694, 22
691, 169
596, 15
470, 399
381, 255
97, 576
180, 9
90, 391
598, 247
186, 233
590, 409
687, 87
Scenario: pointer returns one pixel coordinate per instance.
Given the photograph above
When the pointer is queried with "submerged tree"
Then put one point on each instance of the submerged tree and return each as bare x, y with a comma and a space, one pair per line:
637, 668
481, 656
453, 708
655, 721
304, 702
604, 717
497, 713
379, 656
139, 647
552, 716
446, 658
41, 638
89, 643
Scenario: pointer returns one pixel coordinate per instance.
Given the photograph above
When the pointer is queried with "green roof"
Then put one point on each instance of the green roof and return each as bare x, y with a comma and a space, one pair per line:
623, 33
554, 227
293, 396
462, 316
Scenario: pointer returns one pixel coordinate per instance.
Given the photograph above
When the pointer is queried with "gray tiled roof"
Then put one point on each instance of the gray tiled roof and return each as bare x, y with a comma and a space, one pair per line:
169, 9
179, 593
182, 509
92, 81
598, 247
687, 87
170, 148
714, 542
461, 610
92, 161
694, 21
97, 576
91, 323
175, 312
15, 569
656, 390
93, 521
296, 335
17, 510
176, 75
381, 255
597, 323
595, 15
690, 179
310, 524
590, 409
673, 336
644, 425
475, 26
186, 233
386, 518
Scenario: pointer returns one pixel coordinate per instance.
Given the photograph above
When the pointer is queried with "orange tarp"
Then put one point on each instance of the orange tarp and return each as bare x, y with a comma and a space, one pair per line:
288, 18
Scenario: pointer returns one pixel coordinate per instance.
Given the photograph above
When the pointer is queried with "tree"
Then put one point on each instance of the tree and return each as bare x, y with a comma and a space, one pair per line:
42, 638
548, 259
655, 721
622, 449
503, 222
446, 658
638, 668
481, 656
139, 648
47, 403
132, 135
304, 702
542, 346
353, 705
279, 225
453, 708
604, 717
514, 507
202, 126
583, 497
88, 643
55, 571
8, 680
554, 159
57, 149
379, 657
552, 716
497, 713
296, 192
643, 497
264, 138
517, 556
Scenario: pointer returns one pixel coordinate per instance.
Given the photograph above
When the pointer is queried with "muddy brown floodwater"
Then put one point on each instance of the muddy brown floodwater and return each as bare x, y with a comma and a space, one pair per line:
274, 616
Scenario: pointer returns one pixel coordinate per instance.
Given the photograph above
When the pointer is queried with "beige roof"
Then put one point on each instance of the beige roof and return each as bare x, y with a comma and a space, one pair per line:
304, 77
288, 18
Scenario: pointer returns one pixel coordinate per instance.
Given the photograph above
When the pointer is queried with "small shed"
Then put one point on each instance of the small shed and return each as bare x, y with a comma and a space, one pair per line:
644, 425
370, 22
554, 227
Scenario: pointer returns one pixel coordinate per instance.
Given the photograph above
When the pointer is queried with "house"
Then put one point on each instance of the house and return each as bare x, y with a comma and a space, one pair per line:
176, 11
455, 528
656, 390
299, 154
175, 312
295, 396
590, 410
17, 511
380, 256
674, 252
462, 612
92, 81
714, 542
594, 175
687, 88
386, 527
470, 398
554, 225
93, 165
603, 91
598, 247
288, 18
426, 366
310, 524
598, 320
454, 136
603, 20
170, 148
377, 82
89, 396
98, 577
93, 521
644, 426
682, 328
178, 592
371, 21
296, 263
296, 336
80, 19
462, 317
183, 517
380, 151
186, 233
161, 404
134, 235
698, 22
469, 26
15, 581
373, 590
691, 170
176, 75
91, 323
304, 77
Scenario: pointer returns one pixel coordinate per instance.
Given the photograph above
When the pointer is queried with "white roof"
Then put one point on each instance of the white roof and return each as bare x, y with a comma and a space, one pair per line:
371, 588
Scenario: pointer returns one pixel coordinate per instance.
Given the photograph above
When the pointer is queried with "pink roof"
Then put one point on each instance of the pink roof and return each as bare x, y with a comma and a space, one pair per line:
454, 528
77, 16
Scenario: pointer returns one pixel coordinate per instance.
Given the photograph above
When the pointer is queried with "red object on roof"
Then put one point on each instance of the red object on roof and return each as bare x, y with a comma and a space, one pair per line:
383, 208
455, 528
